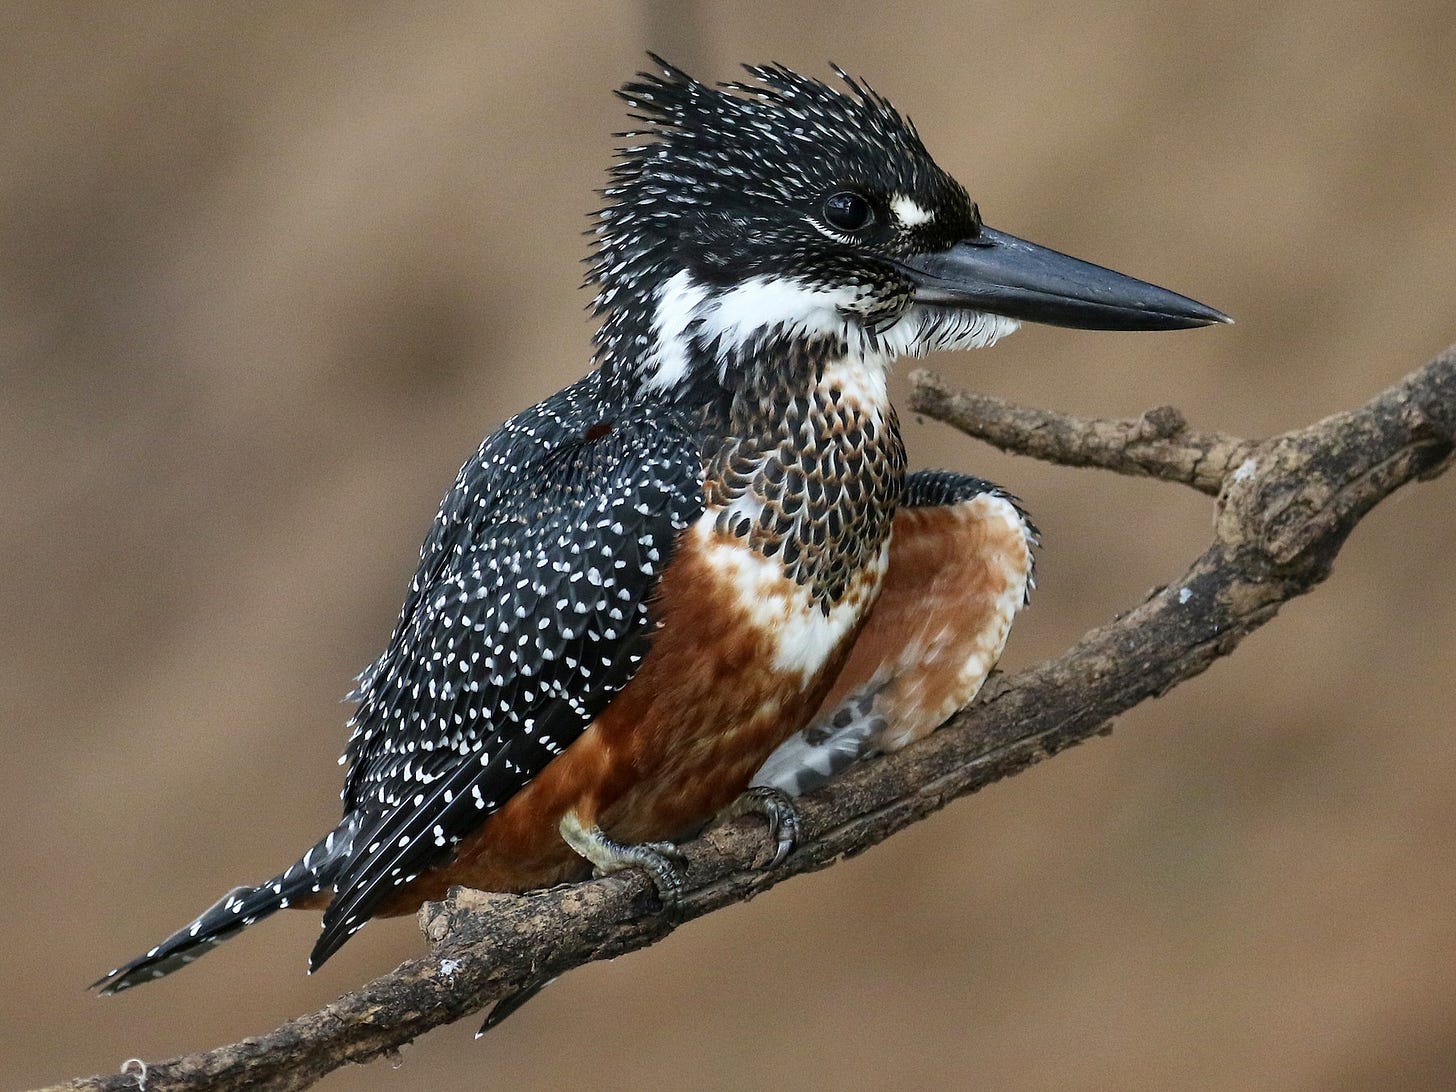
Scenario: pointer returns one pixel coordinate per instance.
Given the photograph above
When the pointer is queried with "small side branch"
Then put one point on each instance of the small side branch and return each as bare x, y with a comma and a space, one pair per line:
1285, 506
1158, 444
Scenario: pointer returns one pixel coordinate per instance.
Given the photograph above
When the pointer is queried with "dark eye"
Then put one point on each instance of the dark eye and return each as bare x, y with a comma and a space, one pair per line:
848, 211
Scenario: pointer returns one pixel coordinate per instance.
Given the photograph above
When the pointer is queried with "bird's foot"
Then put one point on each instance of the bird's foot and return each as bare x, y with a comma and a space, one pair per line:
778, 812
660, 860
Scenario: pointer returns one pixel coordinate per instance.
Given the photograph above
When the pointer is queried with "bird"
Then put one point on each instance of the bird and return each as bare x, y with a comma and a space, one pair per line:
700, 580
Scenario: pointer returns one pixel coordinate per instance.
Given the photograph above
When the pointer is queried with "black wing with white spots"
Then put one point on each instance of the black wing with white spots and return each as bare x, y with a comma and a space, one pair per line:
528, 614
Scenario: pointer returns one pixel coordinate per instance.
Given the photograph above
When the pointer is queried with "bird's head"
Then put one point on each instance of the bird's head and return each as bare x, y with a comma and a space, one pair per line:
752, 214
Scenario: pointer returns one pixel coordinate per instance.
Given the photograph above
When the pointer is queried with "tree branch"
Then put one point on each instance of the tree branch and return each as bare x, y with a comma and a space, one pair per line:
1285, 506
1158, 444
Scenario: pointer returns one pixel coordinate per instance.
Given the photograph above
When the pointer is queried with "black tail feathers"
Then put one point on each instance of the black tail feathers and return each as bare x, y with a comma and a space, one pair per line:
234, 912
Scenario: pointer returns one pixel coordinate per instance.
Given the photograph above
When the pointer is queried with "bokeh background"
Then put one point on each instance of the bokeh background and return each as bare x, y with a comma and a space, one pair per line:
269, 271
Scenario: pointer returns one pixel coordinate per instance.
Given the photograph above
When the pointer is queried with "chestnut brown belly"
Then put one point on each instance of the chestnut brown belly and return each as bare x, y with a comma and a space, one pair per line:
743, 658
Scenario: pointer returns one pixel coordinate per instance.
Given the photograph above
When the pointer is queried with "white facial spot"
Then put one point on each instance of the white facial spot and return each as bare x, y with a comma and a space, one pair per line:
908, 212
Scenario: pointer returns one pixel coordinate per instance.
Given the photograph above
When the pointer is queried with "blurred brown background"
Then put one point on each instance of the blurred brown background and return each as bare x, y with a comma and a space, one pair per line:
268, 272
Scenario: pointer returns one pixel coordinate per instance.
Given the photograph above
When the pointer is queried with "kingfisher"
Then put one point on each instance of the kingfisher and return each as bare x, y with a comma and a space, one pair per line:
700, 579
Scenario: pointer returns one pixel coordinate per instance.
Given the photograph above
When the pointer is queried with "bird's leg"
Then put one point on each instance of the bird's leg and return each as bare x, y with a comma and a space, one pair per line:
660, 860
811, 758
778, 812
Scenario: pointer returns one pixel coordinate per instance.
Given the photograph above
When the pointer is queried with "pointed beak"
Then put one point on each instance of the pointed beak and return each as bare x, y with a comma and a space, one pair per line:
1004, 275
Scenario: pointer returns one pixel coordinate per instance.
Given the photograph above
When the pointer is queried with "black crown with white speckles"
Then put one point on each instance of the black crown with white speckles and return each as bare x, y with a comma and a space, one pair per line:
729, 182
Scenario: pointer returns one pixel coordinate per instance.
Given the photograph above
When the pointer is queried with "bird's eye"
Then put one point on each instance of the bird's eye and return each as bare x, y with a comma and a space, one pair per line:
848, 211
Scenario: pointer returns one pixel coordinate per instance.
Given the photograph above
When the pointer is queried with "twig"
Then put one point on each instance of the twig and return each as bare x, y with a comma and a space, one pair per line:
1158, 444
1285, 506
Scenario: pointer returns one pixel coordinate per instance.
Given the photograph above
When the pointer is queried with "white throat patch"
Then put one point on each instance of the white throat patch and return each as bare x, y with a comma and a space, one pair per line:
693, 318
926, 328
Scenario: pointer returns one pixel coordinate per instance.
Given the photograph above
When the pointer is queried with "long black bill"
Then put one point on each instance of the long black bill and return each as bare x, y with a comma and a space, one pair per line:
1008, 276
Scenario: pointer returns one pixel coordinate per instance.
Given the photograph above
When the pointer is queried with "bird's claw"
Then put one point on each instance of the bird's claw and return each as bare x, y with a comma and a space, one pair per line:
661, 861
669, 850
778, 811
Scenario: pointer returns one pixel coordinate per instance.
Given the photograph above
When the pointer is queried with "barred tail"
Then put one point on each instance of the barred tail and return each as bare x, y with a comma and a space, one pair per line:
235, 911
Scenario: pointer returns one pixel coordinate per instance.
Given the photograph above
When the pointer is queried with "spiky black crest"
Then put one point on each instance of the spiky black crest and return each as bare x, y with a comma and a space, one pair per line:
754, 138
730, 182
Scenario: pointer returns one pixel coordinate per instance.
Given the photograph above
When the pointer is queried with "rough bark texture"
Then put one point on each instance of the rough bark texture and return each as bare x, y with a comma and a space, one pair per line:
1285, 506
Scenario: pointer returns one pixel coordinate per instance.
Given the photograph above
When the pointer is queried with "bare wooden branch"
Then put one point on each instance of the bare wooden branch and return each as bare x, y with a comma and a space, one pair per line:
1285, 506
1158, 444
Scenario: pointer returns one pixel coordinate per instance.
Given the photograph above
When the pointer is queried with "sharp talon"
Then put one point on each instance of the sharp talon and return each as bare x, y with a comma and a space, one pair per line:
668, 850
778, 811
660, 860
659, 865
